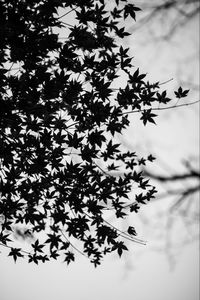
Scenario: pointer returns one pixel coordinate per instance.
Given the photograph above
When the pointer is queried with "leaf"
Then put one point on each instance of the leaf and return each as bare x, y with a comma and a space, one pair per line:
53, 240
69, 257
162, 98
15, 253
111, 149
112, 167
120, 247
131, 231
37, 247
121, 32
134, 208
136, 77
151, 157
130, 9
180, 93
140, 198
120, 214
148, 116
142, 161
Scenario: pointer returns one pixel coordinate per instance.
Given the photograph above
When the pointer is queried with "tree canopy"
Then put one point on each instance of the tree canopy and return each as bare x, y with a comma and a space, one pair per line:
61, 110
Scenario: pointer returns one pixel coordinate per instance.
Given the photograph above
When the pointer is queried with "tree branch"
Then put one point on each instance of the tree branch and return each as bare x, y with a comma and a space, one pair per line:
161, 108
192, 174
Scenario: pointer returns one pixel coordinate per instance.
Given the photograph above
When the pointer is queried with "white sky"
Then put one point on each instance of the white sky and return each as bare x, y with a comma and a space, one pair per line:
149, 279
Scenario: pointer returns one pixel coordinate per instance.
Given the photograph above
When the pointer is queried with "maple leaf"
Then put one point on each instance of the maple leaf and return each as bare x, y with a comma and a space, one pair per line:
130, 9
69, 256
15, 253
131, 230
120, 247
148, 116
181, 93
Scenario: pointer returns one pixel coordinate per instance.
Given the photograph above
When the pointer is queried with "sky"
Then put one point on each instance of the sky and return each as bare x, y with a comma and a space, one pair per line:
149, 278
146, 272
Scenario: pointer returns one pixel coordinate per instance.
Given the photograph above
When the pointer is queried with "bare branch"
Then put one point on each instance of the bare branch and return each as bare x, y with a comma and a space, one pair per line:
162, 108
193, 175
185, 194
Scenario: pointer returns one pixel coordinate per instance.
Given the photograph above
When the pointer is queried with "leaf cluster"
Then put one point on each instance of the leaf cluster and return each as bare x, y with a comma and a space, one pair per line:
60, 115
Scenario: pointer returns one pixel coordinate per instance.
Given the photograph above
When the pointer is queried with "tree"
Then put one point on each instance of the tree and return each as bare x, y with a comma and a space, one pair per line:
60, 117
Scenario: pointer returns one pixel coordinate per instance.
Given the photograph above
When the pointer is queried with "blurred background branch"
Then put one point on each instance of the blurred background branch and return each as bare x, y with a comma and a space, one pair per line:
169, 13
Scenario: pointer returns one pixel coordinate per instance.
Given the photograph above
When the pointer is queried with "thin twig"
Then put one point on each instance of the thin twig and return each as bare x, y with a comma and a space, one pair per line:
65, 14
164, 82
23, 251
161, 108
125, 235
72, 244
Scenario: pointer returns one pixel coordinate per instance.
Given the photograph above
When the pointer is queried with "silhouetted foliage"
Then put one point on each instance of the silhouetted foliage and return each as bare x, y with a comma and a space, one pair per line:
60, 114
